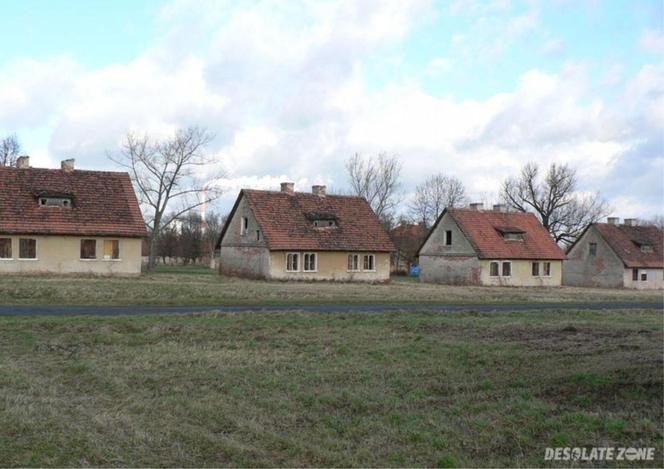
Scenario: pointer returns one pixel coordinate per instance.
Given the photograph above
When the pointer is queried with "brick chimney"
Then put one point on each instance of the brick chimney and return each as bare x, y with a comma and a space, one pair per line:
500, 208
630, 221
23, 162
67, 165
476, 206
613, 220
318, 190
288, 187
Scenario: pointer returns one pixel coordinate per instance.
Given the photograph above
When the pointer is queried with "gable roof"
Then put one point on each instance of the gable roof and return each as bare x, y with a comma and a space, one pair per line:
484, 228
103, 203
286, 222
626, 242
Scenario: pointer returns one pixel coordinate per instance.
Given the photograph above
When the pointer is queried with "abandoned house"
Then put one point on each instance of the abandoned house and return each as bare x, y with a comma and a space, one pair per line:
490, 247
616, 255
68, 221
290, 235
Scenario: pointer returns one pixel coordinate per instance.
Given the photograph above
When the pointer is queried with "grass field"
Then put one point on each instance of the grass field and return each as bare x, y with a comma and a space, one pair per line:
328, 390
201, 286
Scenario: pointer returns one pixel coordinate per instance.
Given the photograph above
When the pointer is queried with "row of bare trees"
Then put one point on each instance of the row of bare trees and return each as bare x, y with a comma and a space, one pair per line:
190, 239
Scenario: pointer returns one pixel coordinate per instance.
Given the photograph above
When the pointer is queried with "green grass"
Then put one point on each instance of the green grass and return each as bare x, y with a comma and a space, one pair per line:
201, 286
327, 389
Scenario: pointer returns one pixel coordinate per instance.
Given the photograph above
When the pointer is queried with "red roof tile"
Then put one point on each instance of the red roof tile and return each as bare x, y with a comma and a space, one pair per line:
483, 230
286, 222
103, 203
626, 242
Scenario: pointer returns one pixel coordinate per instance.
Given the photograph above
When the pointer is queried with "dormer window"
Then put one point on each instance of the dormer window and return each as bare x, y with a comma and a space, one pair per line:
45, 201
647, 248
511, 234
323, 220
324, 223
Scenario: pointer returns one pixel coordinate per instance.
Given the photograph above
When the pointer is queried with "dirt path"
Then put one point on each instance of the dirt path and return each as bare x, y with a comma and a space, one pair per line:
317, 308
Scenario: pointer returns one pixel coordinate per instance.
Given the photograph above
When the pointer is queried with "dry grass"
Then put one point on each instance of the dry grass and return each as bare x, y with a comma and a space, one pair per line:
180, 289
327, 390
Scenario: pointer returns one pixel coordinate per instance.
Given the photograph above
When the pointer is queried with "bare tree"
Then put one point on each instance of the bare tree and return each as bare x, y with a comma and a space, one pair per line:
166, 175
212, 225
10, 149
377, 180
435, 194
657, 221
563, 212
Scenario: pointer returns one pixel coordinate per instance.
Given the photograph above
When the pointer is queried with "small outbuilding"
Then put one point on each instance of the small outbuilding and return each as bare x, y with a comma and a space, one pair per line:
615, 255
288, 235
490, 247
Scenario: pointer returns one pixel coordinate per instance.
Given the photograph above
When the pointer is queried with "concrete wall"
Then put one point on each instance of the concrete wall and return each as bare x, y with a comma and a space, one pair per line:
62, 255
522, 274
454, 264
655, 279
603, 270
331, 266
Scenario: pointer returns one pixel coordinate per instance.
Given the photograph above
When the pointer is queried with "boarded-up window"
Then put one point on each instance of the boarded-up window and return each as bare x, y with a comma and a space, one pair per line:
507, 269
310, 262
493, 269
547, 269
88, 249
111, 249
292, 262
592, 249
353, 262
27, 248
5, 248
535, 269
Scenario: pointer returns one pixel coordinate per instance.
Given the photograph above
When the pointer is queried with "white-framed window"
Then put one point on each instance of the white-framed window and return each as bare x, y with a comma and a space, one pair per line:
448, 238
244, 225
293, 262
494, 269
546, 269
536, 269
369, 263
506, 269
27, 248
353, 262
310, 263
111, 250
5, 248
644, 276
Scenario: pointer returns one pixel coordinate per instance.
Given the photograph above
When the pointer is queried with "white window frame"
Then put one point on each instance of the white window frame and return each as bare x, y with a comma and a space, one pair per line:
305, 263
373, 262
543, 273
297, 267
502, 269
110, 259
355, 257
490, 274
641, 274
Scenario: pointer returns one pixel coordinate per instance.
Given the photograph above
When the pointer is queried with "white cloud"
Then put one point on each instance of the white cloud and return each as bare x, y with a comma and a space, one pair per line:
653, 41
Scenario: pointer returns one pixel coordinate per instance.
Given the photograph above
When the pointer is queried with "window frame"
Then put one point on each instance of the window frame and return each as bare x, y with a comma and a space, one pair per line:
448, 237
244, 226
297, 261
353, 264
258, 236
502, 268
535, 269
11, 250
84, 240
497, 274
372, 259
112, 258
546, 269
592, 249
635, 275
643, 277
20, 258
305, 263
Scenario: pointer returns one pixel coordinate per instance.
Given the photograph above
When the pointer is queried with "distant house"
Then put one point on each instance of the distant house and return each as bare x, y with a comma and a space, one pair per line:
490, 247
614, 255
290, 235
407, 238
68, 221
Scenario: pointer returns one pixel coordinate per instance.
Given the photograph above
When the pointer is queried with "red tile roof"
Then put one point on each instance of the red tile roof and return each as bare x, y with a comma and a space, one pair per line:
103, 203
626, 242
286, 222
483, 230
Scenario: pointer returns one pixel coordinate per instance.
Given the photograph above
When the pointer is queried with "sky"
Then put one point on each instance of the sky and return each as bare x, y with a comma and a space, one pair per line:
291, 89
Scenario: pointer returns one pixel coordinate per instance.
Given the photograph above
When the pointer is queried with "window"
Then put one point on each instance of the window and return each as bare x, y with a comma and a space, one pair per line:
493, 269
547, 269
244, 225
635, 275
448, 238
369, 262
5, 248
644, 276
353, 262
88, 249
325, 223
647, 248
55, 202
310, 262
111, 249
536, 269
27, 248
513, 236
507, 269
293, 262
258, 235
592, 249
